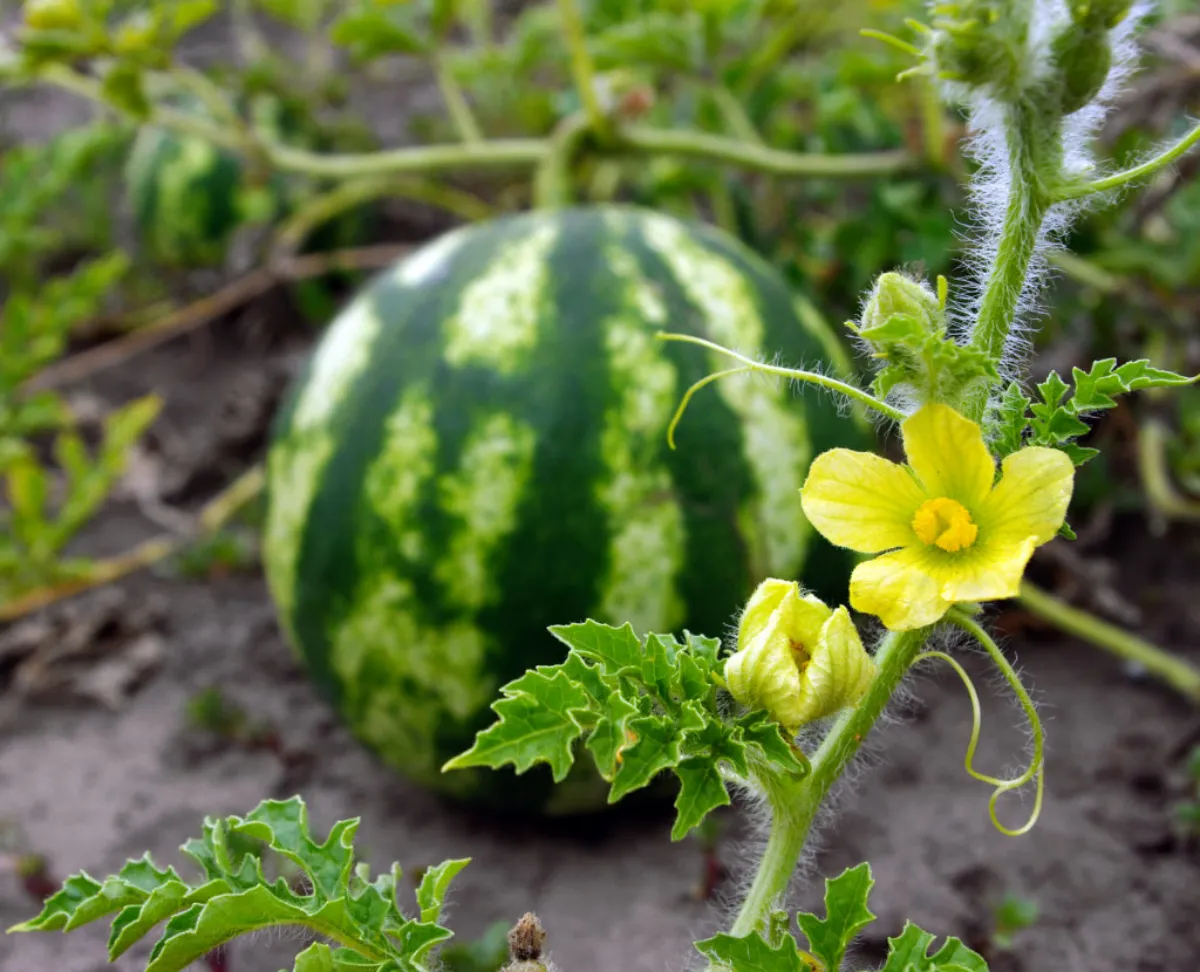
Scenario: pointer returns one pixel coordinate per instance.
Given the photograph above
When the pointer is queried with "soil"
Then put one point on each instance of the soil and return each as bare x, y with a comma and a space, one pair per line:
103, 762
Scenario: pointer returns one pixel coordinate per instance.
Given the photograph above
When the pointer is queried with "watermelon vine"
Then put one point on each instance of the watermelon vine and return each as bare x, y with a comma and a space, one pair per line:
783, 711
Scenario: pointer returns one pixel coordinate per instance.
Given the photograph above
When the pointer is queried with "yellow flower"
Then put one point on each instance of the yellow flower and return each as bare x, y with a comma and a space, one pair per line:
953, 535
796, 658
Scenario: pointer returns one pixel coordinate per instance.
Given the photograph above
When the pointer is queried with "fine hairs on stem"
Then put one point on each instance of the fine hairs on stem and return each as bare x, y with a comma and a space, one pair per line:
1025, 150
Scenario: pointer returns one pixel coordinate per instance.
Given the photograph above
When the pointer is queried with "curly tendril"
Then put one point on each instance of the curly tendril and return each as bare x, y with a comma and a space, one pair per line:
1036, 769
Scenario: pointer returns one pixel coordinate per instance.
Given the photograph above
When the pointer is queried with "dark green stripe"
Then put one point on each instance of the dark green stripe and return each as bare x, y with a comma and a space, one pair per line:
826, 567
707, 468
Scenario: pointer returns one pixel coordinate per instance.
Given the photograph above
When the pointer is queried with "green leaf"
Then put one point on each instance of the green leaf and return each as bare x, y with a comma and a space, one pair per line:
371, 34
760, 730
846, 914
616, 649
701, 792
752, 953
1010, 421
123, 87
1057, 420
338, 900
670, 43
283, 826
655, 748
910, 953
435, 882
644, 708
611, 735
539, 722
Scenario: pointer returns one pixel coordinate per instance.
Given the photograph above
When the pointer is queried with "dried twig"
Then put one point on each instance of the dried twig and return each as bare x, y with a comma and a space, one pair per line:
215, 514
194, 315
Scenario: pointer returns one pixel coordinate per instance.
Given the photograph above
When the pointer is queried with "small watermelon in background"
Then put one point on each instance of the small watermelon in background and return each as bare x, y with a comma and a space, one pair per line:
186, 196
478, 450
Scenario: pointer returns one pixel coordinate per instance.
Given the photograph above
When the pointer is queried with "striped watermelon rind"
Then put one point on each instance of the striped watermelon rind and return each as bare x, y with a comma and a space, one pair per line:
477, 450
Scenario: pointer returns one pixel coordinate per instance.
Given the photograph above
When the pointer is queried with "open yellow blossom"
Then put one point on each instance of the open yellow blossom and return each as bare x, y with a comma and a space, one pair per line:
955, 534
797, 658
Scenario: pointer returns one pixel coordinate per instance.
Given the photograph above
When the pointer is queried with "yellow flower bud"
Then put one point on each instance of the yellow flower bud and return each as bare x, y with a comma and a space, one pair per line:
796, 657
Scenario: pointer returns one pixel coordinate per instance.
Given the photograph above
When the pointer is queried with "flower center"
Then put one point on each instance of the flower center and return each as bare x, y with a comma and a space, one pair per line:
945, 523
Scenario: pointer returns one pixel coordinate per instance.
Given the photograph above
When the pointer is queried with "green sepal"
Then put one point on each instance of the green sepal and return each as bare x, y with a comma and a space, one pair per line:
846, 914
909, 952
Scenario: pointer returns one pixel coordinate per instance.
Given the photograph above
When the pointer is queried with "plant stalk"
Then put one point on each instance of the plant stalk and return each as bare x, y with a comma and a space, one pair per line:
794, 806
582, 68
1028, 203
1174, 671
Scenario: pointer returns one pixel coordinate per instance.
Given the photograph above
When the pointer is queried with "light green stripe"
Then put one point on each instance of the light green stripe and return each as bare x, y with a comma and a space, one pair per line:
483, 495
393, 481
776, 442
645, 521
297, 462
496, 322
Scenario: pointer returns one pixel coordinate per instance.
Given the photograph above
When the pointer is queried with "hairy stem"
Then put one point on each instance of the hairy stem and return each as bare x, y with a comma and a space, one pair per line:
1028, 203
794, 806
793, 374
1136, 174
1175, 672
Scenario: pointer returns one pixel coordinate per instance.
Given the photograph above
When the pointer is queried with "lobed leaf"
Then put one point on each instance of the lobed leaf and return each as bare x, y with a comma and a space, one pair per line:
338, 899
846, 914
539, 722
1056, 420
752, 953
643, 708
909, 952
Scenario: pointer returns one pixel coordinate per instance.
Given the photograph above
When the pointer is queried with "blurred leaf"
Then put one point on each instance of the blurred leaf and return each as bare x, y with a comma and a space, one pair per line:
371, 33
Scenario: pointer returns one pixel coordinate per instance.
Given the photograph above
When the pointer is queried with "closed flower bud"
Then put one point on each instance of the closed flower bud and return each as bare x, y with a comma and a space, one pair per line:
797, 658
1083, 57
897, 303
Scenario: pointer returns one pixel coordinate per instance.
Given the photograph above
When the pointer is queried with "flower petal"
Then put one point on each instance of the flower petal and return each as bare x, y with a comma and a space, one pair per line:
1031, 499
840, 670
947, 453
899, 590
991, 571
764, 675
801, 615
860, 500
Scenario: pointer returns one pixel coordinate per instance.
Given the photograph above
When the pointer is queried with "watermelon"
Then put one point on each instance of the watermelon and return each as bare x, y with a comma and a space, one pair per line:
184, 193
478, 449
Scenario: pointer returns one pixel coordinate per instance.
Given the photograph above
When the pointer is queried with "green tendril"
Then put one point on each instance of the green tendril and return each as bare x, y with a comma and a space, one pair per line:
796, 374
1036, 770
687, 397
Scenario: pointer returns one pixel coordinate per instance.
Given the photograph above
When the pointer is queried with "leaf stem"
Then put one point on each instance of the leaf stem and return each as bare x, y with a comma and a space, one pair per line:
1177, 673
461, 115
794, 805
1137, 173
581, 66
795, 374
716, 148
